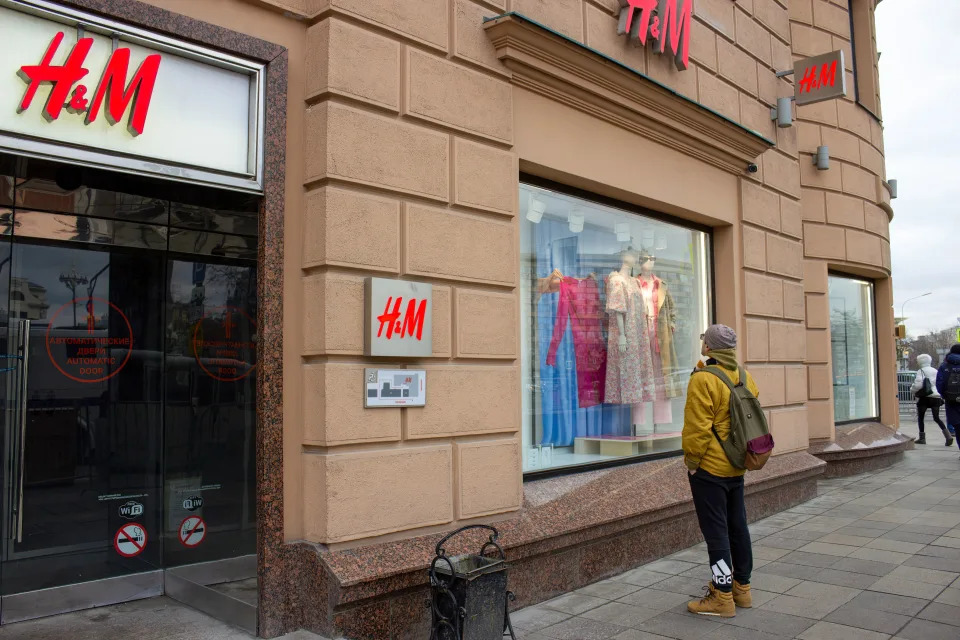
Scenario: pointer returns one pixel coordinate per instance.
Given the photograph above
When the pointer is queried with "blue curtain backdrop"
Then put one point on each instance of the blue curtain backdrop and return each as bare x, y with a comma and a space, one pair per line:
563, 420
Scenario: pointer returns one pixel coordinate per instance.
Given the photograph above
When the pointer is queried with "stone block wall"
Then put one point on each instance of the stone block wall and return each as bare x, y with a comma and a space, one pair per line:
409, 174
845, 210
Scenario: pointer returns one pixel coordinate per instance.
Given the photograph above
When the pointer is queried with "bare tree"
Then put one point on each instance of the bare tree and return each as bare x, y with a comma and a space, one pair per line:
929, 344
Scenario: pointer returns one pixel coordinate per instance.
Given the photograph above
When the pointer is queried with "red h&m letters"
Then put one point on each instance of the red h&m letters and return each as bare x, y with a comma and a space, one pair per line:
667, 22
412, 320
112, 88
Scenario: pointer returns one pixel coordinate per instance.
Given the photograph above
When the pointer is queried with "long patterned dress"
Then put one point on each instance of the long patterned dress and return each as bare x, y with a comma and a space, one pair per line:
630, 377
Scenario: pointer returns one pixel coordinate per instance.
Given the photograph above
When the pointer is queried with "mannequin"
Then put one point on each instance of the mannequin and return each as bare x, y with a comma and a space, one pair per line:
660, 316
630, 373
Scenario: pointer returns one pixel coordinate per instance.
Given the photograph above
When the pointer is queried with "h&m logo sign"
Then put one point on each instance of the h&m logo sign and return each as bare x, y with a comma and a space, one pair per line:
112, 89
665, 22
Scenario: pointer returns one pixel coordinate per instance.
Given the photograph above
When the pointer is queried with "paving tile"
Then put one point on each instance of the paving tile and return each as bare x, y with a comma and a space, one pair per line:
536, 618
945, 541
771, 622
833, 631
937, 519
581, 629
798, 571
942, 612
803, 607
820, 591
636, 634
876, 524
907, 536
931, 562
825, 548
907, 588
655, 599
858, 581
608, 589
812, 559
800, 534
779, 542
523, 635
899, 546
927, 630
621, 614
894, 515
573, 603
868, 567
689, 555
685, 585
870, 619
950, 596
684, 626
921, 528
844, 539
890, 557
902, 605
768, 553
671, 567
771, 582
932, 576
729, 632
640, 577
861, 531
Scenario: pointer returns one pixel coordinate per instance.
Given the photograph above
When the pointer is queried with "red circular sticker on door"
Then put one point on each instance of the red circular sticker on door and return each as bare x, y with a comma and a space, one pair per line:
192, 531
89, 351
224, 343
131, 540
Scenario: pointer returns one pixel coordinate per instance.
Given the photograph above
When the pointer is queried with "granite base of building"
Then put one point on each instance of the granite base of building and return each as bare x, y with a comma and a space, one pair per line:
572, 531
861, 448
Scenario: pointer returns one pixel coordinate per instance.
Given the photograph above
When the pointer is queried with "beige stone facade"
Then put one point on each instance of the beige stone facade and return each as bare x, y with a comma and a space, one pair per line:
409, 123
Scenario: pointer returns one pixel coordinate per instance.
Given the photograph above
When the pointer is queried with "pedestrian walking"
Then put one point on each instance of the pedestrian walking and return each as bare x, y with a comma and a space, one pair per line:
715, 482
948, 386
925, 391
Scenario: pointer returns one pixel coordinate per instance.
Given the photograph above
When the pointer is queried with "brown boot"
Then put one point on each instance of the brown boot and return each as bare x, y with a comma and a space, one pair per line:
714, 603
742, 596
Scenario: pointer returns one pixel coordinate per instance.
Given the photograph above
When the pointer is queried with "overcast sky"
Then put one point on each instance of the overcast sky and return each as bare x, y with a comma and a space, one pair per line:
919, 89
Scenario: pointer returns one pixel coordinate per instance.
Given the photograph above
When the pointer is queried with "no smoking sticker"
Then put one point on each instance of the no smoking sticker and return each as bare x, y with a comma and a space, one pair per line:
131, 540
192, 531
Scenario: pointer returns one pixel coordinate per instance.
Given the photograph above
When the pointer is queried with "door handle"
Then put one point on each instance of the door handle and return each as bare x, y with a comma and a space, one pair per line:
20, 426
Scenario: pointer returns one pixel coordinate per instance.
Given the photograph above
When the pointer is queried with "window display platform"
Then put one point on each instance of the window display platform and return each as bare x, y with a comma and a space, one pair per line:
621, 445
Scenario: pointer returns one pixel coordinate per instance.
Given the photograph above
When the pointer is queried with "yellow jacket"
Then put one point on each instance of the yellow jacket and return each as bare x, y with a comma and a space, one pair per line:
708, 404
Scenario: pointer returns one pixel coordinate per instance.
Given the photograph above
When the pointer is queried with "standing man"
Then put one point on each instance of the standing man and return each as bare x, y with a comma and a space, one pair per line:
717, 485
948, 386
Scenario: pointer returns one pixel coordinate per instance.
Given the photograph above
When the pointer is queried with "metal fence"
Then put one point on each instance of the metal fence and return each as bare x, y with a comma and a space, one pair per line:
904, 381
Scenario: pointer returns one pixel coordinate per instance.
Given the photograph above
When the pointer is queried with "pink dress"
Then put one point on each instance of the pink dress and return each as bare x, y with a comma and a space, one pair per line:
580, 299
630, 377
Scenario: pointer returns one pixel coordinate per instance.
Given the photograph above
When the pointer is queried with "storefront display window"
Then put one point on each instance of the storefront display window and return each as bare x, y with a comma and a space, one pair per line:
612, 306
853, 346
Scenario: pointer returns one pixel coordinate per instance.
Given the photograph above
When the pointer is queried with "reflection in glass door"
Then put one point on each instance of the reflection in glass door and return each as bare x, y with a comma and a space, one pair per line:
83, 446
210, 422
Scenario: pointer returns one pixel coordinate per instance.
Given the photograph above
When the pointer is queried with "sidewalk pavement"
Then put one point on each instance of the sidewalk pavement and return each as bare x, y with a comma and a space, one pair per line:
872, 557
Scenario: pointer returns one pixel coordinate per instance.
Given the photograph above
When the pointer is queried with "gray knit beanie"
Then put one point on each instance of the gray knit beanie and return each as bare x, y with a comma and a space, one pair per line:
720, 336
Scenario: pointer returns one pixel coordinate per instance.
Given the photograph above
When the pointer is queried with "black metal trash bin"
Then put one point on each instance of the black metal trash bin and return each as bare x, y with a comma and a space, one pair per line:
470, 592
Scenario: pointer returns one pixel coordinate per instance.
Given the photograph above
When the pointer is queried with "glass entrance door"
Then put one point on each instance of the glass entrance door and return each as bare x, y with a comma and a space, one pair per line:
127, 310
83, 445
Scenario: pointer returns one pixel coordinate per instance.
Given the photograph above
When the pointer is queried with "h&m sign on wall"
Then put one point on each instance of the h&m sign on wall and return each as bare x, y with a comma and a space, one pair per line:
82, 88
666, 23
820, 78
398, 318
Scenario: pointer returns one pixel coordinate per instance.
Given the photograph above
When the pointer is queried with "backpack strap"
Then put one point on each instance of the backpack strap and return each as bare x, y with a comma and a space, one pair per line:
720, 373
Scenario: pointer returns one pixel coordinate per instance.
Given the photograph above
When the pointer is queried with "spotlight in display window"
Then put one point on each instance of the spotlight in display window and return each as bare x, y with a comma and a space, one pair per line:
576, 222
535, 209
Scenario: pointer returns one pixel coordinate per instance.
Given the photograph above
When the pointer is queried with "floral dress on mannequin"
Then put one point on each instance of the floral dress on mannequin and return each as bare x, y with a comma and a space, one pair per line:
630, 377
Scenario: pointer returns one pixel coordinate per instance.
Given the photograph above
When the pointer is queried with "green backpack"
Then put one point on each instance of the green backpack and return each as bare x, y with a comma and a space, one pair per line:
749, 444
